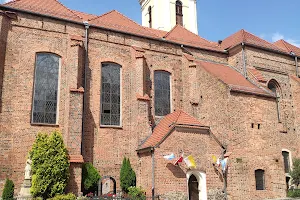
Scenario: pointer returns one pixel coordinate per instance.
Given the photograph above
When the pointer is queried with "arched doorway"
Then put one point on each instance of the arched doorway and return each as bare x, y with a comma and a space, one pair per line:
193, 188
100, 185
196, 182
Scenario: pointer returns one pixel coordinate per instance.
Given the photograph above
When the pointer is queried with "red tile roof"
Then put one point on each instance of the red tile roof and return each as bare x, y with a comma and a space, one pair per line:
287, 47
46, 7
165, 126
159, 33
236, 81
243, 36
117, 21
257, 74
183, 36
84, 16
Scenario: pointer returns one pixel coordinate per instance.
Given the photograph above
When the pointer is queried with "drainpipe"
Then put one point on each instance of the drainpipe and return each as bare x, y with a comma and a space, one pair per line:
244, 61
153, 177
86, 65
297, 69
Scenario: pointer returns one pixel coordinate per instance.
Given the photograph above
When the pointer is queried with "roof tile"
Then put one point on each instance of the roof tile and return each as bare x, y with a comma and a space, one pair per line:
166, 124
287, 47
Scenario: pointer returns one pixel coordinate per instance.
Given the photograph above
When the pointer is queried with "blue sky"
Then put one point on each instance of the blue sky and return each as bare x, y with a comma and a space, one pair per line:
217, 19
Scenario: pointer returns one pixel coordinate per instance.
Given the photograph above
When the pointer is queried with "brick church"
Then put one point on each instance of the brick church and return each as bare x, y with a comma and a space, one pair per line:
118, 89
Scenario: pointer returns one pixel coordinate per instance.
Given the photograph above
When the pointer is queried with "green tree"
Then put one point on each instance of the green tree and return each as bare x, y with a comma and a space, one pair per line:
136, 193
127, 175
90, 178
8, 191
50, 165
295, 173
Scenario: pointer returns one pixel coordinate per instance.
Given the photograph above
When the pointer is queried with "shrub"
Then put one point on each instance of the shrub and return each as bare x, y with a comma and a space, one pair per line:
127, 175
90, 178
295, 173
8, 191
69, 196
294, 193
50, 165
136, 193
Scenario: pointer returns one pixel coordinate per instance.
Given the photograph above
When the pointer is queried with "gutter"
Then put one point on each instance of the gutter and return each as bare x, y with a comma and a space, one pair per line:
107, 29
297, 69
244, 61
153, 174
86, 65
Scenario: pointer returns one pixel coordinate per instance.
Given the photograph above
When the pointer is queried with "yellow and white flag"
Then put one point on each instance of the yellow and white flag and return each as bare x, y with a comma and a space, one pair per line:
190, 162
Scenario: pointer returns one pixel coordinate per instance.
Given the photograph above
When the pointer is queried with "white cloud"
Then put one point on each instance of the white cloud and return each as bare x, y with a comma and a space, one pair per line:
6, 1
278, 36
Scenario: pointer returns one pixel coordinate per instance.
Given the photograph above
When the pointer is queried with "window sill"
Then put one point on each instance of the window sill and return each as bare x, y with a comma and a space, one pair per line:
108, 126
50, 125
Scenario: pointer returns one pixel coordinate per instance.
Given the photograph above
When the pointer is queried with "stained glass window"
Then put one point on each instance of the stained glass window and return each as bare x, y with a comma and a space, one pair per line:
260, 179
110, 94
45, 89
162, 93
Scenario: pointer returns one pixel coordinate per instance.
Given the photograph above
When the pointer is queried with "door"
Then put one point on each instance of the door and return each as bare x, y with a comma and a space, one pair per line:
193, 188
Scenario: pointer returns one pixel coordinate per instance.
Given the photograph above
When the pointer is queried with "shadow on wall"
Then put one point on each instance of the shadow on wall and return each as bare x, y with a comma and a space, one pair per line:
176, 170
5, 27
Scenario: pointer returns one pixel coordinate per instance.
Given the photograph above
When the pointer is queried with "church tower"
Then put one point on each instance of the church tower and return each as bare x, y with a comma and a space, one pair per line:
165, 14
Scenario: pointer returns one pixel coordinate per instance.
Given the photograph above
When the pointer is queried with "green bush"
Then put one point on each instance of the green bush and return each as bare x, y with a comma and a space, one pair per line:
90, 178
50, 165
294, 193
127, 176
136, 193
295, 173
69, 196
8, 191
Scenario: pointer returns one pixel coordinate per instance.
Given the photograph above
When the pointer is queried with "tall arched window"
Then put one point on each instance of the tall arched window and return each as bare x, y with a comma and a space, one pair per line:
179, 14
275, 88
260, 179
150, 16
45, 89
162, 93
110, 94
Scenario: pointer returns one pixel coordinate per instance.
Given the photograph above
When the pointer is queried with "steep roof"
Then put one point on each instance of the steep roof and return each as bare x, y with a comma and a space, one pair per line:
243, 36
183, 36
117, 21
287, 47
46, 7
166, 125
236, 81
84, 16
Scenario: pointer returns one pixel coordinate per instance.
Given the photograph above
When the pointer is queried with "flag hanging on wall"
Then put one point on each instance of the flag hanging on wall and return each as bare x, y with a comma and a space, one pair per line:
169, 157
179, 160
190, 162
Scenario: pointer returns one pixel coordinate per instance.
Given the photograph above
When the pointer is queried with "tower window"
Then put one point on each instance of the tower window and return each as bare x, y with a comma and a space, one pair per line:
150, 16
286, 160
162, 93
45, 89
275, 88
179, 15
260, 179
110, 94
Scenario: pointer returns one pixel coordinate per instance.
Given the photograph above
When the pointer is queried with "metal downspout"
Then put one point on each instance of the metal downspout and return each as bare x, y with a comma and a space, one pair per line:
297, 69
244, 61
86, 65
153, 176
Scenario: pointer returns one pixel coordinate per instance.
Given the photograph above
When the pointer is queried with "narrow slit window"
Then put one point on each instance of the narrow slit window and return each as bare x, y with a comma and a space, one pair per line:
162, 93
46, 89
150, 16
275, 88
179, 14
260, 179
286, 161
110, 94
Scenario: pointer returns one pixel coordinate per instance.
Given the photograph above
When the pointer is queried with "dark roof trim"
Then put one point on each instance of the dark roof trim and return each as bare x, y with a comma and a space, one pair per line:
108, 29
252, 93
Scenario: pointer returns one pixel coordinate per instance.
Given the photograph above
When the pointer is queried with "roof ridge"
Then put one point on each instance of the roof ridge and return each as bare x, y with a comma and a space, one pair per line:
98, 16
170, 31
284, 43
179, 113
67, 8
260, 38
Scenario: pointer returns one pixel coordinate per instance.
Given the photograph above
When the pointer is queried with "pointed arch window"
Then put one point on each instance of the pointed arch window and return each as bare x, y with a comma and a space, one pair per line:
46, 84
150, 16
179, 14
110, 94
162, 93
274, 86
